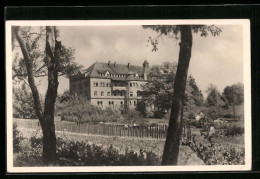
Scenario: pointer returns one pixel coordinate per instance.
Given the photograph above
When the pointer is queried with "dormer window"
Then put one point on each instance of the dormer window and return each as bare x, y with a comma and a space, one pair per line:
107, 73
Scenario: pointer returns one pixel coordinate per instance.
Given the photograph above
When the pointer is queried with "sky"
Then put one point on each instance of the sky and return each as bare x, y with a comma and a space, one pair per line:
217, 60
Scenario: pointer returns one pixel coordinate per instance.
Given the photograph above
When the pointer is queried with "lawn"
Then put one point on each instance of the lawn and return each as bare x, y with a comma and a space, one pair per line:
121, 144
186, 157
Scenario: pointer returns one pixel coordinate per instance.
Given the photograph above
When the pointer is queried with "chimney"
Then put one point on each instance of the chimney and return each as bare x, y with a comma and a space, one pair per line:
128, 65
114, 63
108, 63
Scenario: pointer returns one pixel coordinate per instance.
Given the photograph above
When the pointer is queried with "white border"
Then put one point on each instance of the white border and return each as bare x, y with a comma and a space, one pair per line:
247, 97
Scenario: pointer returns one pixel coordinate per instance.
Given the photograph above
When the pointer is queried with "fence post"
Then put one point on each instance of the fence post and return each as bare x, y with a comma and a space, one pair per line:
160, 132
157, 129
142, 134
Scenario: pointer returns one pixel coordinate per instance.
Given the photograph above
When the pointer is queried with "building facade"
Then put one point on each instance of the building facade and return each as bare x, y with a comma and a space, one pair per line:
110, 84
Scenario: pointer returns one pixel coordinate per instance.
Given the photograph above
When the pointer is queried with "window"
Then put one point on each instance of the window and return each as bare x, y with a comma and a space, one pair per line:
107, 84
100, 103
122, 103
134, 103
102, 84
114, 94
102, 93
108, 93
130, 84
130, 102
95, 83
111, 103
134, 84
95, 93
131, 94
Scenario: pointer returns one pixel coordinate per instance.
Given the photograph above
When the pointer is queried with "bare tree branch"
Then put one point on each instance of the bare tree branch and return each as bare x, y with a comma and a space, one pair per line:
29, 67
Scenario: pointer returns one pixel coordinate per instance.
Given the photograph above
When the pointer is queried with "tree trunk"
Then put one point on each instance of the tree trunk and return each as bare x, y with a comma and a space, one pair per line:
49, 142
171, 148
48, 126
46, 117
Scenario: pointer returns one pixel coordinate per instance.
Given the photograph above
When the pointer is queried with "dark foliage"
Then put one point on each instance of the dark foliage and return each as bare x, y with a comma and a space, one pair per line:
75, 153
17, 138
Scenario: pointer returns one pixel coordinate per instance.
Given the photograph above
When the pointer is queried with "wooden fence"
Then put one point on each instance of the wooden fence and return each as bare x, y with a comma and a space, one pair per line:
155, 131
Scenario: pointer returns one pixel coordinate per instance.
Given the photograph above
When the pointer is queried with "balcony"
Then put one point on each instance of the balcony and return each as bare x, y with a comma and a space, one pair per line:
119, 88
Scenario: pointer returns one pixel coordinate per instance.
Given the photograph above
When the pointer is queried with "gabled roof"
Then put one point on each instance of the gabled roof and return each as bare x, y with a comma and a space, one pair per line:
118, 69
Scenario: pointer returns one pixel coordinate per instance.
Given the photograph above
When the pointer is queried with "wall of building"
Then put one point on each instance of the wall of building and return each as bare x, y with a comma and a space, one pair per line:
81, 86
99, 89
108, 102
104, 93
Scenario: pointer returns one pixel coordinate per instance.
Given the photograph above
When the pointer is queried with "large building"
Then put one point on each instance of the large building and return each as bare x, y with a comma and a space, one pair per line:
111, 84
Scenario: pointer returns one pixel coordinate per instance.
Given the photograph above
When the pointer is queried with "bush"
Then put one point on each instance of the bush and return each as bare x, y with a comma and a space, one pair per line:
131, 116
230, 129
228, 116
191, 115
17, 138
159, 114
210, 152
194, 123
75, 153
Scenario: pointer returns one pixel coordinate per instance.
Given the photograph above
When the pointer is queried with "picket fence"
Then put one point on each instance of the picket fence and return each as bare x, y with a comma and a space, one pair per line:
155, 131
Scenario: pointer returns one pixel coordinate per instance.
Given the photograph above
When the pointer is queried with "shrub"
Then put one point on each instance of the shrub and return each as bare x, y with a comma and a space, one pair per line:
212, 153
230, 129
17, 138
75, 153
228, 116
159, 114
131, 116
191, 115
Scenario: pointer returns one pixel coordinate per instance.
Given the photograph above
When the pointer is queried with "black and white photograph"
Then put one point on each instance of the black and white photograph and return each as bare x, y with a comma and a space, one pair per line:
128, 96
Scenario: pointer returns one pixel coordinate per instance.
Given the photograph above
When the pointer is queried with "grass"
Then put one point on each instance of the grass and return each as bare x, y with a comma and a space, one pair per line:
238, 140
186, 157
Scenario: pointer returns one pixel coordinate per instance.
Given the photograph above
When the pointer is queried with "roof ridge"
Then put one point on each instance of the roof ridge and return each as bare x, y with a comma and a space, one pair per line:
117, 64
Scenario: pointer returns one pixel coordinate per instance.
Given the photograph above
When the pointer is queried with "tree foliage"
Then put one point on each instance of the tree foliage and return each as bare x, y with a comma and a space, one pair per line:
214, 96
159, 90
172, 31
76, 108
238, 94
23, 103
34, 39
